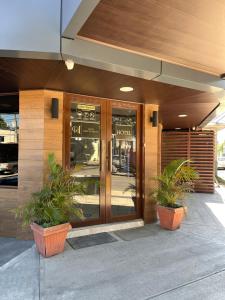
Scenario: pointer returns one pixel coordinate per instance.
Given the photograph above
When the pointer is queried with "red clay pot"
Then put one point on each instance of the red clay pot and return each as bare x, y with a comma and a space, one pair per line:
170, 218
50, 241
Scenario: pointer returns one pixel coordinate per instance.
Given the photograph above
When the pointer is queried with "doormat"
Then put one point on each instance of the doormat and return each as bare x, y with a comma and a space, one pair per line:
91, 240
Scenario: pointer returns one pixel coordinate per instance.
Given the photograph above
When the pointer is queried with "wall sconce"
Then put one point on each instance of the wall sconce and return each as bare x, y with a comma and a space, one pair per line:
154, 118
55, 108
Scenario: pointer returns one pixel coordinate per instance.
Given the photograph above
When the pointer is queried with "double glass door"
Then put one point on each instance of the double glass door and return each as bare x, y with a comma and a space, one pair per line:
105, 158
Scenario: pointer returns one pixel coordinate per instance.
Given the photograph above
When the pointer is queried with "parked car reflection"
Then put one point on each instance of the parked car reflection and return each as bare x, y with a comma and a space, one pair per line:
9, 180
9, 167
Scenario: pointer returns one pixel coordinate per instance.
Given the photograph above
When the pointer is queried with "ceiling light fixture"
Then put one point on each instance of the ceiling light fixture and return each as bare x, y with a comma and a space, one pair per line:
69, 64
126, 89
182, 116
177, 128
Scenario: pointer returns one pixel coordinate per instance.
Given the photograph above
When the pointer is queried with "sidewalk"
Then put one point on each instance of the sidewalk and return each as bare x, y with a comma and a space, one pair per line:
146, 263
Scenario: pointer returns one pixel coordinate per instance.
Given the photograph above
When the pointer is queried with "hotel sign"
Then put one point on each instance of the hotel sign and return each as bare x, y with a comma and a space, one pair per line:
123, 131
86, 112
86, 130
85, 107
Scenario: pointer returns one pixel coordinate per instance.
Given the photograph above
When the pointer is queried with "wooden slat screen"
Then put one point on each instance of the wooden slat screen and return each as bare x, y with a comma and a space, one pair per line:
199, 147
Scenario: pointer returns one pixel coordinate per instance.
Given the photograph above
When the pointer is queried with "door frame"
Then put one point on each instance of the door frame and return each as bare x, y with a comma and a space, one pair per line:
105, 133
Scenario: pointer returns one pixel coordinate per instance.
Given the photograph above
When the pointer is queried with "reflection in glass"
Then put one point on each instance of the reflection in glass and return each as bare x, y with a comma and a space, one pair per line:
123, 191
85, 155
9, 128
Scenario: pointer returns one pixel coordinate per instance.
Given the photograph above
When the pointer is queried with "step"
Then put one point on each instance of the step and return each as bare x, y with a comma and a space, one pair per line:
87, 230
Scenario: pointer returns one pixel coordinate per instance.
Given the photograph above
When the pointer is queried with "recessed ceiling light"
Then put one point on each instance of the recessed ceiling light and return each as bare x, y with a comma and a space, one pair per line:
126, 89
182, 116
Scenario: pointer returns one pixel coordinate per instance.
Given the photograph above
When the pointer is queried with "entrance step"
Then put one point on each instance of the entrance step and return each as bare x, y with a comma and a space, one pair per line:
88, 230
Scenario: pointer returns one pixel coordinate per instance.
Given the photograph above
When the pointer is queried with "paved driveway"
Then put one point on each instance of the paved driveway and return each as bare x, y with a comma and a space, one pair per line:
221, 173
146, 263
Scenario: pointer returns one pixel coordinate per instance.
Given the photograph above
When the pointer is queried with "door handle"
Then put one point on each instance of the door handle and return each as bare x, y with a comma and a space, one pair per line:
100, 161
110, 156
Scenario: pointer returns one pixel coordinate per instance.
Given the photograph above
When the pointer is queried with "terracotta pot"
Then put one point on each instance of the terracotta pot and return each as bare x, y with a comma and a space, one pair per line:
50, 241
170, 218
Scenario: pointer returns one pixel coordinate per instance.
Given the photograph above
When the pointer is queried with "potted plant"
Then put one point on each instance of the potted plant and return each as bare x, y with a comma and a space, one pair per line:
50, 210
175, 181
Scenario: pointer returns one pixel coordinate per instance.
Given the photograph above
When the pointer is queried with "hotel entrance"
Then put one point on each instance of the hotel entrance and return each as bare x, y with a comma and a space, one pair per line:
103, 145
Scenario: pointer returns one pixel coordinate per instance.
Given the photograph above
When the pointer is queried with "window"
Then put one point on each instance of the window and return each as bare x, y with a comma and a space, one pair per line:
9, 138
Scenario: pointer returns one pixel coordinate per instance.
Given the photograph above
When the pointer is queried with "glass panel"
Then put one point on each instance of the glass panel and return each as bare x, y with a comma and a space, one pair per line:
123, 191
9, 129
85, 156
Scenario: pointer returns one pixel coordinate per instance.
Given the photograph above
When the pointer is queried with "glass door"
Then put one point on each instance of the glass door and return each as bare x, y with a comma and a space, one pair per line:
124, 161
87, 136
104, 156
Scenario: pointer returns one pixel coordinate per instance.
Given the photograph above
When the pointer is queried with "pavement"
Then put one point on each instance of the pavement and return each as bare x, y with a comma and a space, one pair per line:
221, 173
11, 248
145, 263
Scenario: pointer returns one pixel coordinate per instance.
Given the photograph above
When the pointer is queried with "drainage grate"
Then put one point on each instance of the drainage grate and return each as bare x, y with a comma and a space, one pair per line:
91, 240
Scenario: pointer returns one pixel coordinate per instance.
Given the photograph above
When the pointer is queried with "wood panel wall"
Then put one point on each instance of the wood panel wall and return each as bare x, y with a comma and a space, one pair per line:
39, 135
197, 146
53, 129
151, 162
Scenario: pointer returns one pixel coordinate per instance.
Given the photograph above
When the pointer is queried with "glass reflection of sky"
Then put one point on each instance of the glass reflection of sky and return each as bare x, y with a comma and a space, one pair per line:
11, 120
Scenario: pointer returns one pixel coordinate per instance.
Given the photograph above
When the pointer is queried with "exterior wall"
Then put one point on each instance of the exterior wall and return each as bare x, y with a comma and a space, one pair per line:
32, 26
151, 162
39, 135
68, 9
160, 129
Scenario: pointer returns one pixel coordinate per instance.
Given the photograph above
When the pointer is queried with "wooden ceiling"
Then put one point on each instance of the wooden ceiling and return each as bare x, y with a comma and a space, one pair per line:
22, 74
189, 33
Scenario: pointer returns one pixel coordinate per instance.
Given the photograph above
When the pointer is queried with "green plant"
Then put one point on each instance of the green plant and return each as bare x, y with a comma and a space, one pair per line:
131, 188
176, 179
54, 204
